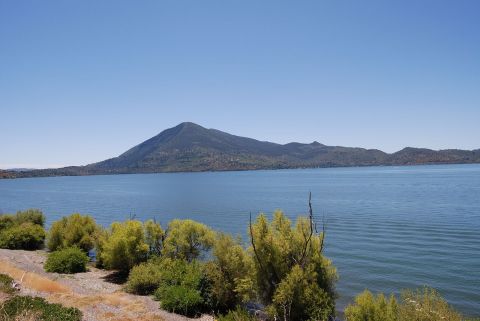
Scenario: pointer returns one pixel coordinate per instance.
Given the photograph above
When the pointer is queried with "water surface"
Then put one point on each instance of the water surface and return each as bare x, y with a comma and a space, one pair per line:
388, 228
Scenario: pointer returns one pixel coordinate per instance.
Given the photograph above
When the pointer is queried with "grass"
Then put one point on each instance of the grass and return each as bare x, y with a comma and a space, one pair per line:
32, 280
33, 307
6, 284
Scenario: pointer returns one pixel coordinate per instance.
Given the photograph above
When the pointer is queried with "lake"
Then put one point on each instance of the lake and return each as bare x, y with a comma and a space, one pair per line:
388, 228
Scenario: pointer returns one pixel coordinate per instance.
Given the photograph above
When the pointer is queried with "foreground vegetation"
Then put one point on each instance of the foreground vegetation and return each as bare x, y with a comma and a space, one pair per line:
191, 269
17, 307
421, 305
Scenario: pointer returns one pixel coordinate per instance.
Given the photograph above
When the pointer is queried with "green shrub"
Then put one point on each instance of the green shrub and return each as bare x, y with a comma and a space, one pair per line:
123, 246
426, 304
368, 307
181, 288
231, 274
26, 236
144, 278
69, 260
24, 230
75, 230
238, 314
14, 307
33, 216
6, 221
294, 280
6, 284
187, 240
180, 299
422, 305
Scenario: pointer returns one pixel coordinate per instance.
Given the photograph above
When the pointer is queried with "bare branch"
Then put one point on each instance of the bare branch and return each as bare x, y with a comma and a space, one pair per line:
307, 241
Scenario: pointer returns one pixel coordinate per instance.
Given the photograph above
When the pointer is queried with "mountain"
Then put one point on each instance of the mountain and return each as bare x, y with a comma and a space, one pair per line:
189, 147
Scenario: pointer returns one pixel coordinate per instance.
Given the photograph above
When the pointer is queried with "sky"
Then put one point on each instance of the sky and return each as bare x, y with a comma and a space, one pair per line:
83, 81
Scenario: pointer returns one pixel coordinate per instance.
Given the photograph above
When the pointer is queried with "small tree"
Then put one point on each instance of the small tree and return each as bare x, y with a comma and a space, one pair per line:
294, 279
74, 230
231, 273
154, 236
187, 239
123, 246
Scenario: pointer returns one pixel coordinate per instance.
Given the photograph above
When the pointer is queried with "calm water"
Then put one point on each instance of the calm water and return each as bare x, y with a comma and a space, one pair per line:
388, 227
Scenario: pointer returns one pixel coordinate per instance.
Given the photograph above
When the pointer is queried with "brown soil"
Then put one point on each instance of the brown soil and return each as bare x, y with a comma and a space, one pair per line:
91, 292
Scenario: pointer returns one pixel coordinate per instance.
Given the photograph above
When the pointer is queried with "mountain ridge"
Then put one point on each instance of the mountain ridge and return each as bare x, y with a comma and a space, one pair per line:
189, 147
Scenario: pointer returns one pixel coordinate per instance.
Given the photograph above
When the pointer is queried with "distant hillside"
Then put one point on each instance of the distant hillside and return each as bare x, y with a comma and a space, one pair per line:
189, 147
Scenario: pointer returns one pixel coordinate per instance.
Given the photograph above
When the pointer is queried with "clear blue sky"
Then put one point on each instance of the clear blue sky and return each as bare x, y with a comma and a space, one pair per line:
82, 81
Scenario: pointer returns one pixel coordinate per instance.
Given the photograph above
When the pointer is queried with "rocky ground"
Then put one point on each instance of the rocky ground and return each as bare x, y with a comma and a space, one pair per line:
95, 293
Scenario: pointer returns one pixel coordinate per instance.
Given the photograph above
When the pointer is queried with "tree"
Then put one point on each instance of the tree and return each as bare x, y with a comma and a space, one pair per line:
231, 273
187, 239
154, 236
74, 230
123, 246
294, 279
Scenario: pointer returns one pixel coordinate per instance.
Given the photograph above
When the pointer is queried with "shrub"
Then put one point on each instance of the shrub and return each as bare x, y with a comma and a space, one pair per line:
424, 304
144, 278
238, 314
231, 274
187, 239
181, 287
75, 230
375, 308
26, 236
123, 246
427, 305
6, 284
69, 260
154, 237
33, 216
17, 306
293, 278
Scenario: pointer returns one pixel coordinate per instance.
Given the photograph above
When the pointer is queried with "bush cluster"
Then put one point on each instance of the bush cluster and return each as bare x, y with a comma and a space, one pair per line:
191, 269
24, 230
422, 304
74, 230
68, 260
17, 306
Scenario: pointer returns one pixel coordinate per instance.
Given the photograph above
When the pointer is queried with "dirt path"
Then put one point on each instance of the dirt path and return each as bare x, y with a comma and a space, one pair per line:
97, 298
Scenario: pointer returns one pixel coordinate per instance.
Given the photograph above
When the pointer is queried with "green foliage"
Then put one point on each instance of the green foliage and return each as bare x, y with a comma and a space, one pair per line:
181, 287
33, 216
68, 260
24, 230
26, 236
15, 306
231, 274
420, 305
293, 278
154, 237
144, 278
123, 246
187, 239
238, 314
368, 307
426, 305
6, 284
74, 230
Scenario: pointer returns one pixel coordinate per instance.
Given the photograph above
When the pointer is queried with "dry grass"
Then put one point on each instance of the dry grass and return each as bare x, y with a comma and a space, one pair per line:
126, 306
32, 280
